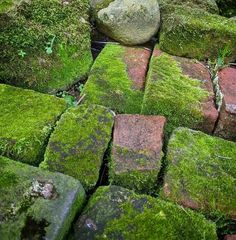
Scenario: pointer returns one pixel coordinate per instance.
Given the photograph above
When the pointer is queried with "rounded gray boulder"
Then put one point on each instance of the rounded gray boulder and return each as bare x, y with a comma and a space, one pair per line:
130, 22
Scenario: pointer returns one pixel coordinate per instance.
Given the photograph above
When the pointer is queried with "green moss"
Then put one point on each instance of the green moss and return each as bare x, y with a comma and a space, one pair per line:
26, 32
172, 94
118, 213
227, 7
78, 144
196, 33
23, 201
202, 169
139, 172
109, 84
207, 5
26, 120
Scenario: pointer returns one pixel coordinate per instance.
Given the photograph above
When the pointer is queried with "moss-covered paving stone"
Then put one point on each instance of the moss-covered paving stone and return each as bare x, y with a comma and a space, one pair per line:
197, 34
36, 204
137, 152
26, 121
207, 5
78, 144
117, 213
117, 78
226, 125
45, 45
201, 172
181, 90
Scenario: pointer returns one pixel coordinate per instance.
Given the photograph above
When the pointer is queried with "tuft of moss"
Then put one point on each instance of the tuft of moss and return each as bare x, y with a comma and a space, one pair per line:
196, 34
28, 28
201, 172
206, 5
109, 84
117, 213
172, 94
25, 201
26, 121
78, 144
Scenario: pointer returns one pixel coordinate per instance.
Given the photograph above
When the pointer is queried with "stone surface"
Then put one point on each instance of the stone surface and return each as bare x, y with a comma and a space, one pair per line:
181, 90
207, 5
26, 121
49, 46
230, 237
201, 172
78, 143
196, 33
35, 204
226, 126
130, 22
137, 151
117, 213
117, 78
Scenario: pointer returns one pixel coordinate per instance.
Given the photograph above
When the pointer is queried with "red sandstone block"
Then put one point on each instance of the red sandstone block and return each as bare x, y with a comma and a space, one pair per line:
226, 126
137, 151
230, 237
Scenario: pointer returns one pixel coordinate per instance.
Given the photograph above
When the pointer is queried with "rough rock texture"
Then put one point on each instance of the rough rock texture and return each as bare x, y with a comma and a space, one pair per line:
201, 172
196, 33
117, 78
78, 144
227, 7
117, 213
226, 126
44, 45
137, 152
206, 5
26, 121
35, 204
130, 22
230, 237
181, 90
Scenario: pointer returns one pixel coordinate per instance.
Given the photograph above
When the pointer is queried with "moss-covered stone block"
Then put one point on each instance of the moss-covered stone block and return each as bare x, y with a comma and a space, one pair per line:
227, 7
137, 152
196, 34
117, 213
207, 5
36, 204
44, 45
181, 90
117, 78
78, 144
26, 121
201, 172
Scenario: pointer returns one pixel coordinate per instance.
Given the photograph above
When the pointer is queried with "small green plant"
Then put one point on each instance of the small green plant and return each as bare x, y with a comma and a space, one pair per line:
70, 100
223, 53
81, 87
49, 46
21, 53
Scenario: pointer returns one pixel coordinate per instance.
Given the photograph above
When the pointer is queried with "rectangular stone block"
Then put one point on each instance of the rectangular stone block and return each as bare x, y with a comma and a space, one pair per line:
26, 121
181, 90
117, 78
196, 34
78, 143
201, 172
36, 204
137, 151
117, 213
226, 126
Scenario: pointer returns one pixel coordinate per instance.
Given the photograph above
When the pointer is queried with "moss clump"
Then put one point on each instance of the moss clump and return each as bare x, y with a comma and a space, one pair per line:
196, 34
29, 28
172, 94
117, 213
201, 172
26, 121
207, 5
25, 199
139, 172
227, 7
109, 84
78, 144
